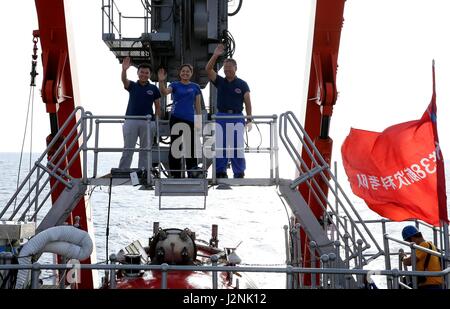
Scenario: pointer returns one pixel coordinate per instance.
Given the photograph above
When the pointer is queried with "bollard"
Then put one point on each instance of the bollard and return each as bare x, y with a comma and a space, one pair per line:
35, 273
289, 276
112, 272
395, 275
324, 259
339, 277
164, 268
312, 250
359, 243
333, 262
214, 260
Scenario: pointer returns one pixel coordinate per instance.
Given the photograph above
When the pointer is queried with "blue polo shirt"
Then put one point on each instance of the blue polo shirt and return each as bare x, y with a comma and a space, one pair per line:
230, 95
141, 99
183, 96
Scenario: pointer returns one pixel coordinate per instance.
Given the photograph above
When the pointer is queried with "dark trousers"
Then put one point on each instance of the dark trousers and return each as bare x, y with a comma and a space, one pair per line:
430, 287
236, 140
175, 161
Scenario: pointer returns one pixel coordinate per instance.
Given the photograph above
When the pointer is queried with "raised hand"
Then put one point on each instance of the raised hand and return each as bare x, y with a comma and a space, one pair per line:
162, 75
126, 63
219, 50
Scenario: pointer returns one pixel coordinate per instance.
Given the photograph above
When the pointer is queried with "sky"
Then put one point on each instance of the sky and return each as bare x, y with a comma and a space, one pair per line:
384, 75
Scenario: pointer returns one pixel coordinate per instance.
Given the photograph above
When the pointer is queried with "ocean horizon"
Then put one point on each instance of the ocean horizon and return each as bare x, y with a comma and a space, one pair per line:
251, 215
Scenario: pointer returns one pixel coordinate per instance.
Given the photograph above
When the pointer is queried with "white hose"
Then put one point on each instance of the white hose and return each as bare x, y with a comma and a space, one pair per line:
64, 240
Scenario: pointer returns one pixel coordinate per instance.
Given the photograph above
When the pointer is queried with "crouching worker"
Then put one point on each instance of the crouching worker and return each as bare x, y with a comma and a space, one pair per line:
424, 260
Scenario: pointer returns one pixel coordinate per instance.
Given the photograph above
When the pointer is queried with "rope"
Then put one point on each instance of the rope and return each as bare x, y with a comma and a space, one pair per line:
286, 209
230, 45
247, 139
146, 6
31, 146
107, 221
33, 75
237, 10
262, 265
31, 93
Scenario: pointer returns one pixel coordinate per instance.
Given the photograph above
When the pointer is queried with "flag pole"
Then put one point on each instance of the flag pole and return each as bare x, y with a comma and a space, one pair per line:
446, 252
444, 223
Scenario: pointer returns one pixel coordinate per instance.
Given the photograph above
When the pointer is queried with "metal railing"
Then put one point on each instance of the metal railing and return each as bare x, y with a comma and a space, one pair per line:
356, 239
54, 164
208, 153
328, 273
271, 149
389, 254
112, 19
96, 149
349, 233
444, 259
78, 139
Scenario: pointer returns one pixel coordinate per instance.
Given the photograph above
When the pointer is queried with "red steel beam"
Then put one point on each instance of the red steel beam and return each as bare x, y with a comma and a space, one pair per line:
322, 95
58, 96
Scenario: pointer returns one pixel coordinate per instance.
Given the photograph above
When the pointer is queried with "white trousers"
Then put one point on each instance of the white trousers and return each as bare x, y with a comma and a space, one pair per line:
132, 130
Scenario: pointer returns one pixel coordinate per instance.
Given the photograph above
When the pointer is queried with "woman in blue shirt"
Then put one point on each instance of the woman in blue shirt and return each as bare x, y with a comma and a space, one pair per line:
186, 97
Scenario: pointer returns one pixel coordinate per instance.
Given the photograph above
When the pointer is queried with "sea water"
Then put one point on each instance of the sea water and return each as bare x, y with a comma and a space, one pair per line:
251, 218
248, 217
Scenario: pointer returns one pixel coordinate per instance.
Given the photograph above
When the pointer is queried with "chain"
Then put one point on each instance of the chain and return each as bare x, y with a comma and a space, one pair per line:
33, 72
262, 265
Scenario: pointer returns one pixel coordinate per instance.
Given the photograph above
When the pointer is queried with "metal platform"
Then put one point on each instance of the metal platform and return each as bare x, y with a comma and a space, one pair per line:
16, 230
250, 182
181, 187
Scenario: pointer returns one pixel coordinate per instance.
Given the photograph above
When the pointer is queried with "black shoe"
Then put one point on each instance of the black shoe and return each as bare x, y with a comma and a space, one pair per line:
221, 175
239, 175
196, 172
155, 173
146, 187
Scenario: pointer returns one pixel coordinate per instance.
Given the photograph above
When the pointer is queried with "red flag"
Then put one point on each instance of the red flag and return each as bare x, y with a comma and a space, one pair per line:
399, 172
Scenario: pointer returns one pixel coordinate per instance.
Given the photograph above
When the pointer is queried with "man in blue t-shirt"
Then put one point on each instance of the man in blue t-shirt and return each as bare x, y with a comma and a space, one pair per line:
140, 103
232, 94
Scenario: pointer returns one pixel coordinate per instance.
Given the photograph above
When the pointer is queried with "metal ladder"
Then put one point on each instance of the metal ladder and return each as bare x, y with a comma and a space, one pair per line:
20, 205
347, 224
180, 186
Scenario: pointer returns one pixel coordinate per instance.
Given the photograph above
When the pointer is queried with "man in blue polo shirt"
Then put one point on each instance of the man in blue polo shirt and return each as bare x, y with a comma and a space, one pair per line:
232, 94
140, 103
